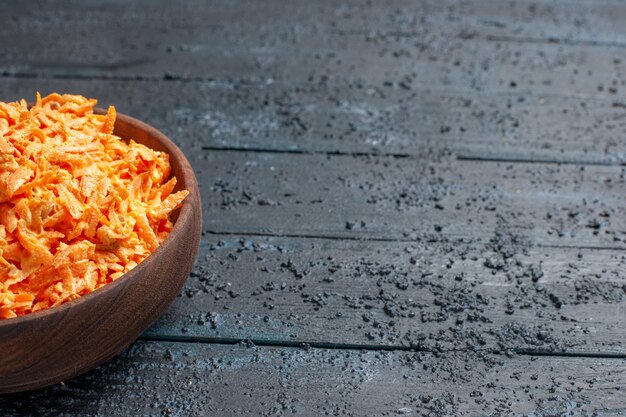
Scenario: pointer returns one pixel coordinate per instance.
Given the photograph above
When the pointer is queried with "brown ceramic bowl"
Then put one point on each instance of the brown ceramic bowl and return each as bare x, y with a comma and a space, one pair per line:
53, 345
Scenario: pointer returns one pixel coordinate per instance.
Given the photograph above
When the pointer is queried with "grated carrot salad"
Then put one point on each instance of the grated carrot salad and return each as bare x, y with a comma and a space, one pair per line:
79, 207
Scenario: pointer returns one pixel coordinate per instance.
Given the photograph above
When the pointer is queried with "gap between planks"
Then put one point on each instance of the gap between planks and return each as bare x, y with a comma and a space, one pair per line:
363, 347
383, 239
227, 81
555, 40
303, 151
504, 38
92, 77
399, 155
536, 161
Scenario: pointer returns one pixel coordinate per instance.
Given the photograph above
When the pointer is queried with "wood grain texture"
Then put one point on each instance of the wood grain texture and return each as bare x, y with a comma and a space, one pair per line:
575, 21
61, 342
347, 119
435, 296
178, 379
546, 48
421, 199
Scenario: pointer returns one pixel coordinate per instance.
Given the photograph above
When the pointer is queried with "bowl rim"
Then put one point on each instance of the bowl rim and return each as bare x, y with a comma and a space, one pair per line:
184, 215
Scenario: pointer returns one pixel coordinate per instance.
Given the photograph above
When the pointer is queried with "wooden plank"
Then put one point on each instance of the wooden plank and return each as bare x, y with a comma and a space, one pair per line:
431, 295
475, 64
279, 117
597, 22
410, 199
376, 45
195, 380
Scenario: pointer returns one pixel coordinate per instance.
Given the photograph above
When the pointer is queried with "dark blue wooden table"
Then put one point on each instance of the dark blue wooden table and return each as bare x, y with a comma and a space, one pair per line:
410, 207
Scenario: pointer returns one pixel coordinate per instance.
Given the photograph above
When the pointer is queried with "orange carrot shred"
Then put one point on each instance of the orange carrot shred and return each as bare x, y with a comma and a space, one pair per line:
79, 207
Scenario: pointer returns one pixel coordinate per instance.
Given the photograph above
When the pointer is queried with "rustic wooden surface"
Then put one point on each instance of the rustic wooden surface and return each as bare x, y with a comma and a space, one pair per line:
208, 379
410, 208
